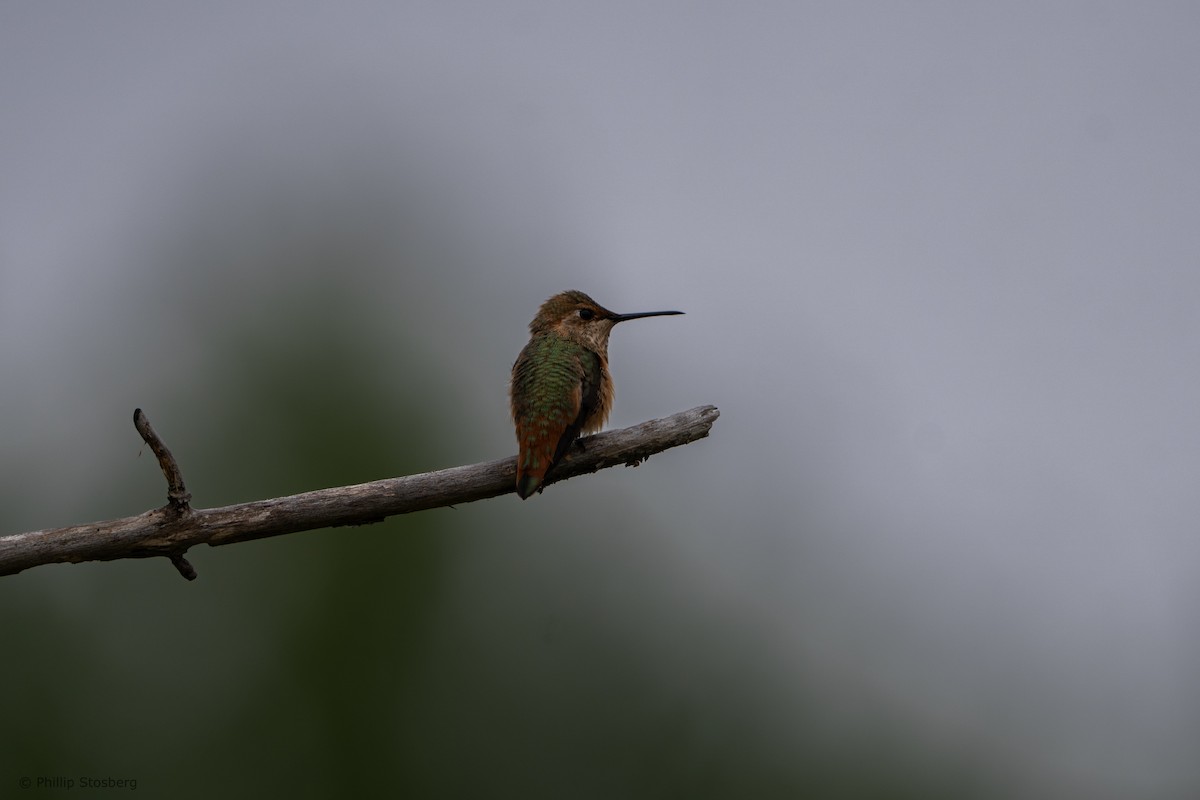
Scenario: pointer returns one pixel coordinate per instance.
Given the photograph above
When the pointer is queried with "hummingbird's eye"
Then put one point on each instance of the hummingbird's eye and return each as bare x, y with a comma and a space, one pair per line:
586, 314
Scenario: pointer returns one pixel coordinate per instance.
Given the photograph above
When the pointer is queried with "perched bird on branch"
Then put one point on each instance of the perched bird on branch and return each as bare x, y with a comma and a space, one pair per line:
561, 387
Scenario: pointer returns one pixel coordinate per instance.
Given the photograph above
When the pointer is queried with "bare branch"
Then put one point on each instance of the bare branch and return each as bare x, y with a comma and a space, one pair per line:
169, 531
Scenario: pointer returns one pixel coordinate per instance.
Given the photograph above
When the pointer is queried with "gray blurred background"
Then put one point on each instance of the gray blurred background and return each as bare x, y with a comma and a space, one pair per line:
940, 268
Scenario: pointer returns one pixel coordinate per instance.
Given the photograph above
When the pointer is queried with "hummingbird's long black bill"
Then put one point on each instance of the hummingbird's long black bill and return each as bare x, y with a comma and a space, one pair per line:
622, 317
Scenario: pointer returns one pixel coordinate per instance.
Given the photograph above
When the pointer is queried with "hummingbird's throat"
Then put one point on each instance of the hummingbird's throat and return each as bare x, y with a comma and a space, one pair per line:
593, 334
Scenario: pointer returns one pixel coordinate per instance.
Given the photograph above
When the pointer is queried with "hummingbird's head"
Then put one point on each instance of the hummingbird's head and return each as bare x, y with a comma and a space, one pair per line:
578, 317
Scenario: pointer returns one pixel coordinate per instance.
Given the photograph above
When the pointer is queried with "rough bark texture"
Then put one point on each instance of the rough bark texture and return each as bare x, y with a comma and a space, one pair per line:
169, 531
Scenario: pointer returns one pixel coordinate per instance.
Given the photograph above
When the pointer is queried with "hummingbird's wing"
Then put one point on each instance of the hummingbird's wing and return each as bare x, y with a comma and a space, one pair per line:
555, 384
589, 396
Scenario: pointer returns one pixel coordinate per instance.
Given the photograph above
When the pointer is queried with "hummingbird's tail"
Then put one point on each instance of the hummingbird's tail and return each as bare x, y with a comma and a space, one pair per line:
528, 483
541, 447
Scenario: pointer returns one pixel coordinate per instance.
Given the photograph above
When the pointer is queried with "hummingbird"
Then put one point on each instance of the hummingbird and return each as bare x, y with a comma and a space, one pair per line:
561, 388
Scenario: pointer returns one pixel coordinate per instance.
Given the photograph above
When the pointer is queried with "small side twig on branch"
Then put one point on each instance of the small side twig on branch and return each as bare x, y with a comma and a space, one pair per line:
169, 531
178, 496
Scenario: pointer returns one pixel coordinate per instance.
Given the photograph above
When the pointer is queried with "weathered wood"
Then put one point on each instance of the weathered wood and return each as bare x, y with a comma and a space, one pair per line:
169, 531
